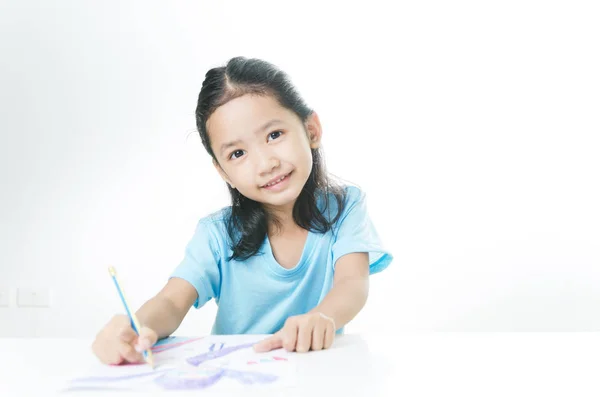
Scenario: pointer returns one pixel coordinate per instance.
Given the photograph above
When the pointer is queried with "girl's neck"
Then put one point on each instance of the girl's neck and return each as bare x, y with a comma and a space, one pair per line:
281, 220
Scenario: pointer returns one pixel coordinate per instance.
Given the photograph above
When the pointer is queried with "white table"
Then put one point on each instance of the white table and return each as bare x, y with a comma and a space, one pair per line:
394, 364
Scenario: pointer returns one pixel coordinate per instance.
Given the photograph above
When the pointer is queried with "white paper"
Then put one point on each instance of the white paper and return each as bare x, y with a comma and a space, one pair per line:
225, 362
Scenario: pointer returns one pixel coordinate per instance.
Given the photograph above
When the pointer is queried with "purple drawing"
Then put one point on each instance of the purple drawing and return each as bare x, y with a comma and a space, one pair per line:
118, 378
192, 376
211, 355
248, 378
177, 382
181, 382
212, 347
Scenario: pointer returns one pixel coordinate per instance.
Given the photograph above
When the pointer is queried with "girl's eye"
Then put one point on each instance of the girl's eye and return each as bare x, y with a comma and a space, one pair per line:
237, 154
275, 135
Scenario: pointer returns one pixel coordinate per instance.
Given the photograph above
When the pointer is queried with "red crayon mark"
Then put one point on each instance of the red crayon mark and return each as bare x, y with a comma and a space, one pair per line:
168, 346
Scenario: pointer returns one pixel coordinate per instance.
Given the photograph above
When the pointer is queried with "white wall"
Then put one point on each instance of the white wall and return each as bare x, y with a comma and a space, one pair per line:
473, 129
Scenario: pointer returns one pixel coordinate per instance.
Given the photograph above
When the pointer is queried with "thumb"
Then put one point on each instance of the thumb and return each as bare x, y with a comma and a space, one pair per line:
146, 339
273, 342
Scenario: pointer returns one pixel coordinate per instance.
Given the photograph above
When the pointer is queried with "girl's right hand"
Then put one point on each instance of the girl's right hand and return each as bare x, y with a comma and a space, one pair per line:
118, 343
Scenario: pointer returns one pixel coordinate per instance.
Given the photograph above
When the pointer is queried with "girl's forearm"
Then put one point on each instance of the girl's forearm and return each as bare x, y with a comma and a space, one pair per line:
345, 299
160, 315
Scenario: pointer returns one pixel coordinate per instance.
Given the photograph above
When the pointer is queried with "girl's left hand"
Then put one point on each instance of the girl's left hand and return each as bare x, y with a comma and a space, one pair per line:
310, 331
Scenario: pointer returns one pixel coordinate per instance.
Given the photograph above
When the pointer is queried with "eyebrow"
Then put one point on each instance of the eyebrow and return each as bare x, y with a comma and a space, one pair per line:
268, 124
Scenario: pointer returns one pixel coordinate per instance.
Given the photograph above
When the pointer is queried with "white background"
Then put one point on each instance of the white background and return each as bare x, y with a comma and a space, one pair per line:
472, 127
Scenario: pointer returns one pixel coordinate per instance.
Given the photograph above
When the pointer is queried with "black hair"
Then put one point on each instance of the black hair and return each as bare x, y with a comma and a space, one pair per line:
247, 224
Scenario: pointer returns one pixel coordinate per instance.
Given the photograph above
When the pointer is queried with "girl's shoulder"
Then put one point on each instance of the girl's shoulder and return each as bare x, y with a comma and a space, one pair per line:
353, 193
219, 216
215, 223
336, 203
348, 193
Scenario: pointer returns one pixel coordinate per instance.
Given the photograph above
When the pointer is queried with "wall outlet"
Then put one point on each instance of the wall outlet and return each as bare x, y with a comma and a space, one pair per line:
4, 297
33, 297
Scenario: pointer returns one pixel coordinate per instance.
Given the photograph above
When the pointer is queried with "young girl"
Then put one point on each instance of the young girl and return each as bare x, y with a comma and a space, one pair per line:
292, 254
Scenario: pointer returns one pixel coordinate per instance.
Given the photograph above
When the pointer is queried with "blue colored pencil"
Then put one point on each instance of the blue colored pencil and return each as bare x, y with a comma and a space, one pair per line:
135, 324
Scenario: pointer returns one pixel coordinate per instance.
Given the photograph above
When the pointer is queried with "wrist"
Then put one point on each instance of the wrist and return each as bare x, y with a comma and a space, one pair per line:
324, 315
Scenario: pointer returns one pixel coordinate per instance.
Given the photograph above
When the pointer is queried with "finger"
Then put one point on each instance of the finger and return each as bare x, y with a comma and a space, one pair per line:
129, 354
126, 333
289, 335
113, 358
119, 320
273, 342
304, 337
110, 356
104, 355
318, 336
329, 335
146, 339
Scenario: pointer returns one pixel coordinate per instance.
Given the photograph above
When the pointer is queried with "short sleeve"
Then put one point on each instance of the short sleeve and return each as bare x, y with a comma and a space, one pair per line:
201, 263
355, 232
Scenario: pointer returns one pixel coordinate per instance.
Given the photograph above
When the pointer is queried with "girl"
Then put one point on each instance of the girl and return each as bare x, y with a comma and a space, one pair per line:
292, 254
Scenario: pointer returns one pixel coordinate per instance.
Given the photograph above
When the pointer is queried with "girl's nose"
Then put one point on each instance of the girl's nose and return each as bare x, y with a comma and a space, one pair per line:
268, 164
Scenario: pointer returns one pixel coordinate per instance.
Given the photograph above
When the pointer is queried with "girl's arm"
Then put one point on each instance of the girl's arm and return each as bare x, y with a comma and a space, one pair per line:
164, 313
315, 330
350, 289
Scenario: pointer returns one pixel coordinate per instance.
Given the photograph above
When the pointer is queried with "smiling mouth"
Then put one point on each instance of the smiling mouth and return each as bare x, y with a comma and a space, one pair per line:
276, 181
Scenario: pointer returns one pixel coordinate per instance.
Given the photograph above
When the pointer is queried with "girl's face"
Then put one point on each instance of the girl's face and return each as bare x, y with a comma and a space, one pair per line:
263, 149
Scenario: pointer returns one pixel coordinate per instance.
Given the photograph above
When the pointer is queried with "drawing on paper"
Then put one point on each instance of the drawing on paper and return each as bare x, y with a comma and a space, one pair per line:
267, 360
197, 363
171, 343
212, 355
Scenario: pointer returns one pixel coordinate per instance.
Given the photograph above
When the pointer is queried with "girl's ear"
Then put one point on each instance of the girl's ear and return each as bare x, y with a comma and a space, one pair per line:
314, 130
222, 173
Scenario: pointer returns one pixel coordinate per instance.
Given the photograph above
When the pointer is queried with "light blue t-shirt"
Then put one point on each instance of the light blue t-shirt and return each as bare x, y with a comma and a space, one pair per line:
257, 295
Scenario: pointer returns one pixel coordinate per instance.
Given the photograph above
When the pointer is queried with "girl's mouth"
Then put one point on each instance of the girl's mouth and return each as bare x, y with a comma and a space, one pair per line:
279, 183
